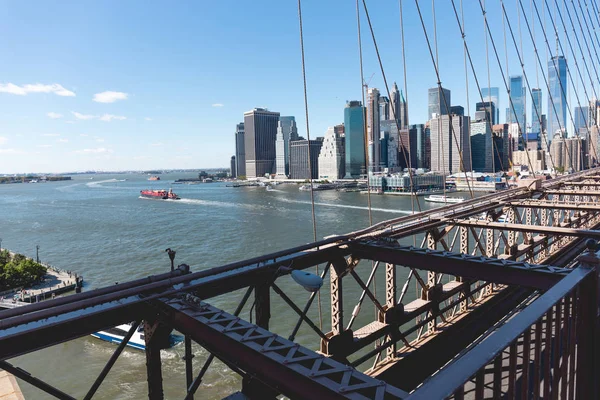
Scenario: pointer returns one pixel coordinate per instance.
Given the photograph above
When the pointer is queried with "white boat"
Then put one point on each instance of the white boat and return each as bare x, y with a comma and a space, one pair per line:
436, 198
269, 188
137, 341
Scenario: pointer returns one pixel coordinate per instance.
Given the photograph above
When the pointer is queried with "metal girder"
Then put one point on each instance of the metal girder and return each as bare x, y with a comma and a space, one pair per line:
571, 192
464, 265
548, 204
547, 230
285, 366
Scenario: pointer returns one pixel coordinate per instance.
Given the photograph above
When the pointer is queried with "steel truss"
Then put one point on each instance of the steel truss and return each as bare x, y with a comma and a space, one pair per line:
484, 259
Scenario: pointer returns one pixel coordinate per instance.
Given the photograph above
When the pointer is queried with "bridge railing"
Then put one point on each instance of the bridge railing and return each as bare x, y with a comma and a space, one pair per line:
548, 350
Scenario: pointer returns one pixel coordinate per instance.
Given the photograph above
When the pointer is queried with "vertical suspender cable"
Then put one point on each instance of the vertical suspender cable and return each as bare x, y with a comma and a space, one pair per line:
312, 193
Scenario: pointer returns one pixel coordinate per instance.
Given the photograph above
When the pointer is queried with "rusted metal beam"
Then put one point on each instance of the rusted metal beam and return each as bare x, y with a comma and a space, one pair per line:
547, 230
285, 366
572, 192
471, 267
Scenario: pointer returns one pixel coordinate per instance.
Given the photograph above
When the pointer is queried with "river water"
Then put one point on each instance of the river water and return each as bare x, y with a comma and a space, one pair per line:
98, 226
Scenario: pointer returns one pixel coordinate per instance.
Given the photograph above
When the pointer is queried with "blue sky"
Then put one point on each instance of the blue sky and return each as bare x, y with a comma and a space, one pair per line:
173, 78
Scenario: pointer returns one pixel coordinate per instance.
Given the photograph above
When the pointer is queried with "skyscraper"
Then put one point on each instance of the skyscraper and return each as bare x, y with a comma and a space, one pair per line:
260, 136
232, 167
331, 158
384, 108
581, 121
489, 109
399, 107
492, 94
354, 140
557, 100
299, 158
240, 150
445, 154
437, 104
536, 112
286, 132
373, 128
517, 109
418, 132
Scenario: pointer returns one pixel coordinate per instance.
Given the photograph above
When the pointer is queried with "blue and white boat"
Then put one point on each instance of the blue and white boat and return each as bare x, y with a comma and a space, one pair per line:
137, 341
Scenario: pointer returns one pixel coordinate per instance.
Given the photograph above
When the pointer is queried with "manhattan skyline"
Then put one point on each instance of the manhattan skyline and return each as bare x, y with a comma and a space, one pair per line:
116, 86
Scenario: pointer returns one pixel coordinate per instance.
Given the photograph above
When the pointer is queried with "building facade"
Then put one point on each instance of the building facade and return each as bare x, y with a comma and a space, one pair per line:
304, 159
260, 127
240, 150
569, 154
332, 158
482, 151
557, 99
419, 132
373, 128
492, 94
354, 139
517, 103
446, 156
232, 167
286, 132
439, 102
389, 131
536, 113
399, 107
581, 121
529, 158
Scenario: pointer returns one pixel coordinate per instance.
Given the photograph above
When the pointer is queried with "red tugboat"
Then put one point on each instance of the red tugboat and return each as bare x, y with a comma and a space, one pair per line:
159, 194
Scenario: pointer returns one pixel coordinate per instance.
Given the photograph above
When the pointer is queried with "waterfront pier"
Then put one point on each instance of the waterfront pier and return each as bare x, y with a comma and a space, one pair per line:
502, 308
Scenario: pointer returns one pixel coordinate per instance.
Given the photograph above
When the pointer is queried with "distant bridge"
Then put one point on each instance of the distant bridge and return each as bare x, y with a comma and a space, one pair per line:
503, 308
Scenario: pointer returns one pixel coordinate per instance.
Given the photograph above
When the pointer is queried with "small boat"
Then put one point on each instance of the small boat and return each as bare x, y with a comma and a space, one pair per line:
436, 198
154, 178
137, 341
270, 188
159, 194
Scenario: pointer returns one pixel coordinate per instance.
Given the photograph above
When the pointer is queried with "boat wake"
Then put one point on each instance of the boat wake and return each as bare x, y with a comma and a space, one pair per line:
386, 210
92, 184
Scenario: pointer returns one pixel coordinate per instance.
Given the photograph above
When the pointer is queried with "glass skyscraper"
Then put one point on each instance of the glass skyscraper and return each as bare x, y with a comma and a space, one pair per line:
581, 121
517, 109
437, 105
354, 127
557, 100
492, 94
536, 112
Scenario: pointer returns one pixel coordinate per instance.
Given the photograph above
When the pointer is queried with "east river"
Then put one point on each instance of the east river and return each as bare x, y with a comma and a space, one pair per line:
98, 226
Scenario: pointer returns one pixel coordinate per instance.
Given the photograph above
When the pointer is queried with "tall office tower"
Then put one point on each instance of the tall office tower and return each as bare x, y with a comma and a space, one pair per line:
445, 154
407, 148
501, 131
240, 150
399, 107
332, 159
482, 151
286, 132
299, 158
390, 144
581, 121
592, 144
457, 110
437, 104
557, 100
384, 108
232, 167
419, 133
492, 94
427, 145
373, 128
568, 154
489, 110
260, 125
594, 113
339, 129
354, 139
517, 109
536, 112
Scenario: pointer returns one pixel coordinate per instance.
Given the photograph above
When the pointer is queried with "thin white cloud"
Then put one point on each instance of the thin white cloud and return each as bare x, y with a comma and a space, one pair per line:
3, 140
54, 115
82, 116
98, 150
55, 88
11, 151
99, 140
51, 134
62, 140
44, 145
148, 119
110, 117
157, 144
218, 105
84, 134
110, 97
